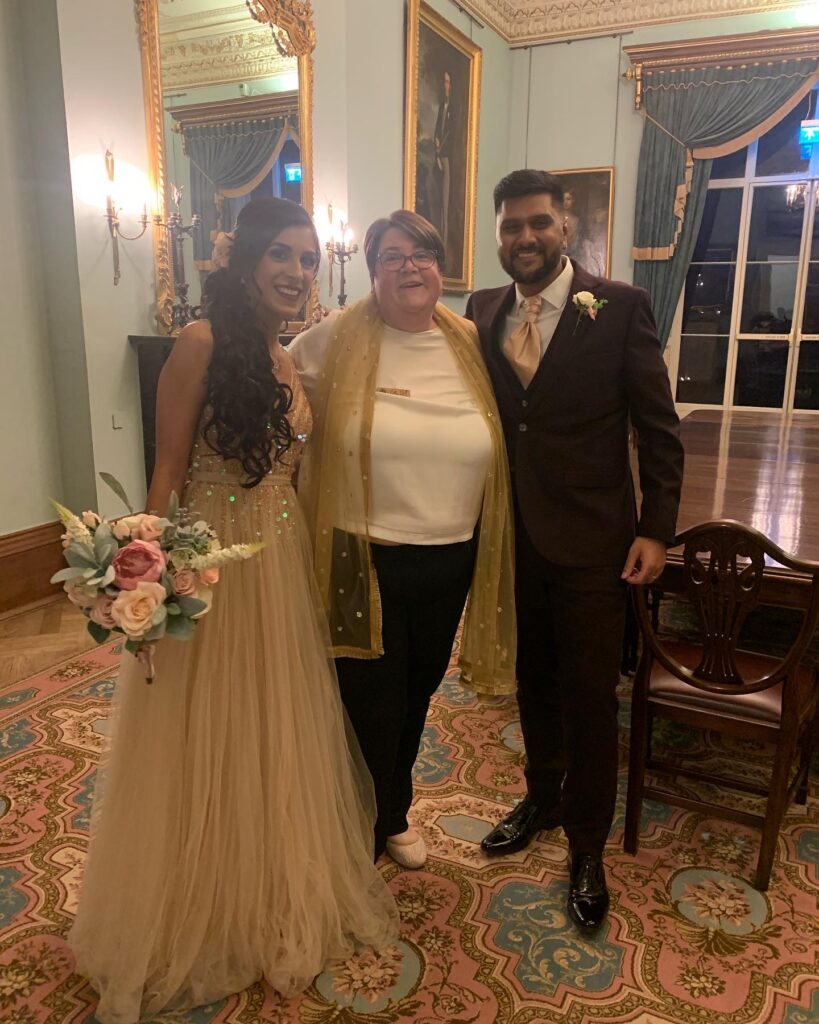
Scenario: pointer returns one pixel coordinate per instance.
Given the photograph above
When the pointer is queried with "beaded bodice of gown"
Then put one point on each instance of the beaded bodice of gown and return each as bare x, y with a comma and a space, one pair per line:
214, 471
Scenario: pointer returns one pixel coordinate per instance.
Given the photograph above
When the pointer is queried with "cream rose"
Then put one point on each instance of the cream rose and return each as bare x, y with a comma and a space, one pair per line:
584, 299
140, 527
90, 519
133, 610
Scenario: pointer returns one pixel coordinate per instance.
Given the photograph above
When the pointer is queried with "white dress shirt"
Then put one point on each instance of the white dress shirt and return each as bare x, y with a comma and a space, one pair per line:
555, 296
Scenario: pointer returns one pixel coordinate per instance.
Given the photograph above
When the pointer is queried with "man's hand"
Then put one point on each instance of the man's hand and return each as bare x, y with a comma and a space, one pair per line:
645, 562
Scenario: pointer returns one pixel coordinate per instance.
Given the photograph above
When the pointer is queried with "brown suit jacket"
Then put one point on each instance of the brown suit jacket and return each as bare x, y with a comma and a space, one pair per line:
567, 434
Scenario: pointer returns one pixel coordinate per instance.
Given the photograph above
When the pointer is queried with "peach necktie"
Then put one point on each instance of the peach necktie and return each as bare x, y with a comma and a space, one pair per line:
522, 347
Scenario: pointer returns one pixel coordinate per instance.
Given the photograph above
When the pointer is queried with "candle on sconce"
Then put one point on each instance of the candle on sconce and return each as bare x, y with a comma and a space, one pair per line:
340, 250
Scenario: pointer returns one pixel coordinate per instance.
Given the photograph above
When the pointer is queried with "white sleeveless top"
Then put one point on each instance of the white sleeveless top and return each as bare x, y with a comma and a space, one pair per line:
430, 448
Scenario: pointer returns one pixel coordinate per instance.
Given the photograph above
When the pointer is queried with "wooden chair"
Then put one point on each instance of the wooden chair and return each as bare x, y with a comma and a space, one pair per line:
712, 685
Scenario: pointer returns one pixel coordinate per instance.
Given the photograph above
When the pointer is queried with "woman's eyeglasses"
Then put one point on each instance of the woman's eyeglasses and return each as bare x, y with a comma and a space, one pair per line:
393, 260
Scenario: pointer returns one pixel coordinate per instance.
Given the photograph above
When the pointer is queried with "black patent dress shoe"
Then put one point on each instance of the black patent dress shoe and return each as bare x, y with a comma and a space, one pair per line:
588, 900
519, 828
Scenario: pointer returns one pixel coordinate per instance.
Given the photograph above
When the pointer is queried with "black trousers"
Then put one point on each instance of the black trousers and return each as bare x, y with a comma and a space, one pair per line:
423, 589
570, 640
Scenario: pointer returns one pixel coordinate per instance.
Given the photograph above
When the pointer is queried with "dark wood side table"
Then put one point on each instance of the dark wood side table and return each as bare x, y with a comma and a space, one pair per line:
152, 351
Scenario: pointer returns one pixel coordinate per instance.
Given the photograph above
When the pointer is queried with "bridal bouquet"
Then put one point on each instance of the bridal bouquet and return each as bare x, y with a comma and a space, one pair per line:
142, 575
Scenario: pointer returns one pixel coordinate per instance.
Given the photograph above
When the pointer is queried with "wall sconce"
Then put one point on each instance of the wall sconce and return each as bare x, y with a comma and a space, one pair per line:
182, 312
112, 216
340, 250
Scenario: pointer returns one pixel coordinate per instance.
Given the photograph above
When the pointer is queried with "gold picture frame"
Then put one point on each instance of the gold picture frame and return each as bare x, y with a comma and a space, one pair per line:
589, 213
293, 30
441, 136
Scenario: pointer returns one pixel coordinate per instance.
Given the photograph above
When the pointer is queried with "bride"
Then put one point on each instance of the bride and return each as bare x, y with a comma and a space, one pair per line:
231, 837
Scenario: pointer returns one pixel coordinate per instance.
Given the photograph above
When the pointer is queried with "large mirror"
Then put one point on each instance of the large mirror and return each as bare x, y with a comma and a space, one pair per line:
229, 105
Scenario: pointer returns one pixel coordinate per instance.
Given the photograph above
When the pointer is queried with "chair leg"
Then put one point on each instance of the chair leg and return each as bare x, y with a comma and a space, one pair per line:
774, 811
638, 748
805, 752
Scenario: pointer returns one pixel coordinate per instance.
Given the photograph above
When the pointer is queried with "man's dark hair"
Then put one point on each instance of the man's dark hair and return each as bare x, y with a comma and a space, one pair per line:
528, 183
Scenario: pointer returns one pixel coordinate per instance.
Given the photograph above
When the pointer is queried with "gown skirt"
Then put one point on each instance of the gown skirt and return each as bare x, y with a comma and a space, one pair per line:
231, 835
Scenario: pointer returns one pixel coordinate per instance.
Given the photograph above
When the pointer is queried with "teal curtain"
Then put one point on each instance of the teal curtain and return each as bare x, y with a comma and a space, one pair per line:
686, 111
228, 156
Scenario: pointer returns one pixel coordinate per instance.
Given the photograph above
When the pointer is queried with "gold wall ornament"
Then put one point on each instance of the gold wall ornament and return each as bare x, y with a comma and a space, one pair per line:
528, 22
292, 22
148, 21
293, 33
717, 51
439, 57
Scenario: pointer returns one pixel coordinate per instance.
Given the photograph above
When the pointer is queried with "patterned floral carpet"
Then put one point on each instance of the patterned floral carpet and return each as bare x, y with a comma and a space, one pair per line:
687, 940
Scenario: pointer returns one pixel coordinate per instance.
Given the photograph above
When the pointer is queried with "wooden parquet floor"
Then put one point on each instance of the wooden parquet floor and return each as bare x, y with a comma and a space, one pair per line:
40, 635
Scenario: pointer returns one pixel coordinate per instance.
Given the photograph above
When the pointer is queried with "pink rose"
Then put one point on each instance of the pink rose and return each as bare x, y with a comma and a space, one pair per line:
101, 612
184, 582
78, 595
133, 609
140, 561
209, 576
592, 312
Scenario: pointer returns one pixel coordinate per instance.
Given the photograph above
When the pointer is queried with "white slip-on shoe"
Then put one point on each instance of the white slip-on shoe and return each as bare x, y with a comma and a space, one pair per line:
408, 855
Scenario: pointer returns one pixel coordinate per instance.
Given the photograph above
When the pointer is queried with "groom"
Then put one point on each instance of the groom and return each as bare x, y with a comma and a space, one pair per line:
575, 362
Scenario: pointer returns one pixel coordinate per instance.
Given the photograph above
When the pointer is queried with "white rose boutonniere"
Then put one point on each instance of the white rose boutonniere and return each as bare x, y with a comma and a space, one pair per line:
587, 306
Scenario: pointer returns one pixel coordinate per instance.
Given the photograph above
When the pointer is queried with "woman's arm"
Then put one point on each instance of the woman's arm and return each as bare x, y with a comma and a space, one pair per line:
308, 349
179, 401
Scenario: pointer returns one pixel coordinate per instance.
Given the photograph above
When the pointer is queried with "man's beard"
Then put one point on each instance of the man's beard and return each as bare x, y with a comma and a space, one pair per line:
534, 275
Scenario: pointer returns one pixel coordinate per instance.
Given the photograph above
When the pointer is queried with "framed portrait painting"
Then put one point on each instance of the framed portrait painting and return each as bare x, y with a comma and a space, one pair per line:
441, 135
589, 203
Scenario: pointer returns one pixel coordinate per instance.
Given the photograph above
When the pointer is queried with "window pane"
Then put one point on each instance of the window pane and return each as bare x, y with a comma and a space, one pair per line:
719, 231
807, 377
810, 320
814, 245
731, 166
709, 292
701, 374
760, 377
779, 151
767, 304
776, 222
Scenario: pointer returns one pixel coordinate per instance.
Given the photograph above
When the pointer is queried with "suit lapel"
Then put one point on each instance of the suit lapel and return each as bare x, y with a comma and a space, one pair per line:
493, 319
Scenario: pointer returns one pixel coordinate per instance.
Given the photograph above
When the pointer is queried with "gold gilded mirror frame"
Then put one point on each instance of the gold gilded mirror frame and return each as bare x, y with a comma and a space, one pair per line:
294, 35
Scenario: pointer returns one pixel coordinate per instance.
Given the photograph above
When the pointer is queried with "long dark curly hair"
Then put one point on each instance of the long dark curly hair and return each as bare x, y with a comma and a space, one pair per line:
247, 406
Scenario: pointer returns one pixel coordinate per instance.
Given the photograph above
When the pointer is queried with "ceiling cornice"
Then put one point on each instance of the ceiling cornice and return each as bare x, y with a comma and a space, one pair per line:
528, 22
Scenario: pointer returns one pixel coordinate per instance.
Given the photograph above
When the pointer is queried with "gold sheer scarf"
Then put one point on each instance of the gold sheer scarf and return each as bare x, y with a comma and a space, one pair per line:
334, 488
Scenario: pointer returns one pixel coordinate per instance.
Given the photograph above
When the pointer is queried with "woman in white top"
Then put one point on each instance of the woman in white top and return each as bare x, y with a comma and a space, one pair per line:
406, 459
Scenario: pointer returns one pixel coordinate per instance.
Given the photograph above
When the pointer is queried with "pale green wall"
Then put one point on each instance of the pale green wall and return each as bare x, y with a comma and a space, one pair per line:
581, 111
103, 93
29, 462
359, 121
50, 188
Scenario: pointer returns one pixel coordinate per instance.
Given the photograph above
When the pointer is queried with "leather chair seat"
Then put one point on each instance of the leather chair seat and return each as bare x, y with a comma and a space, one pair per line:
763, 705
